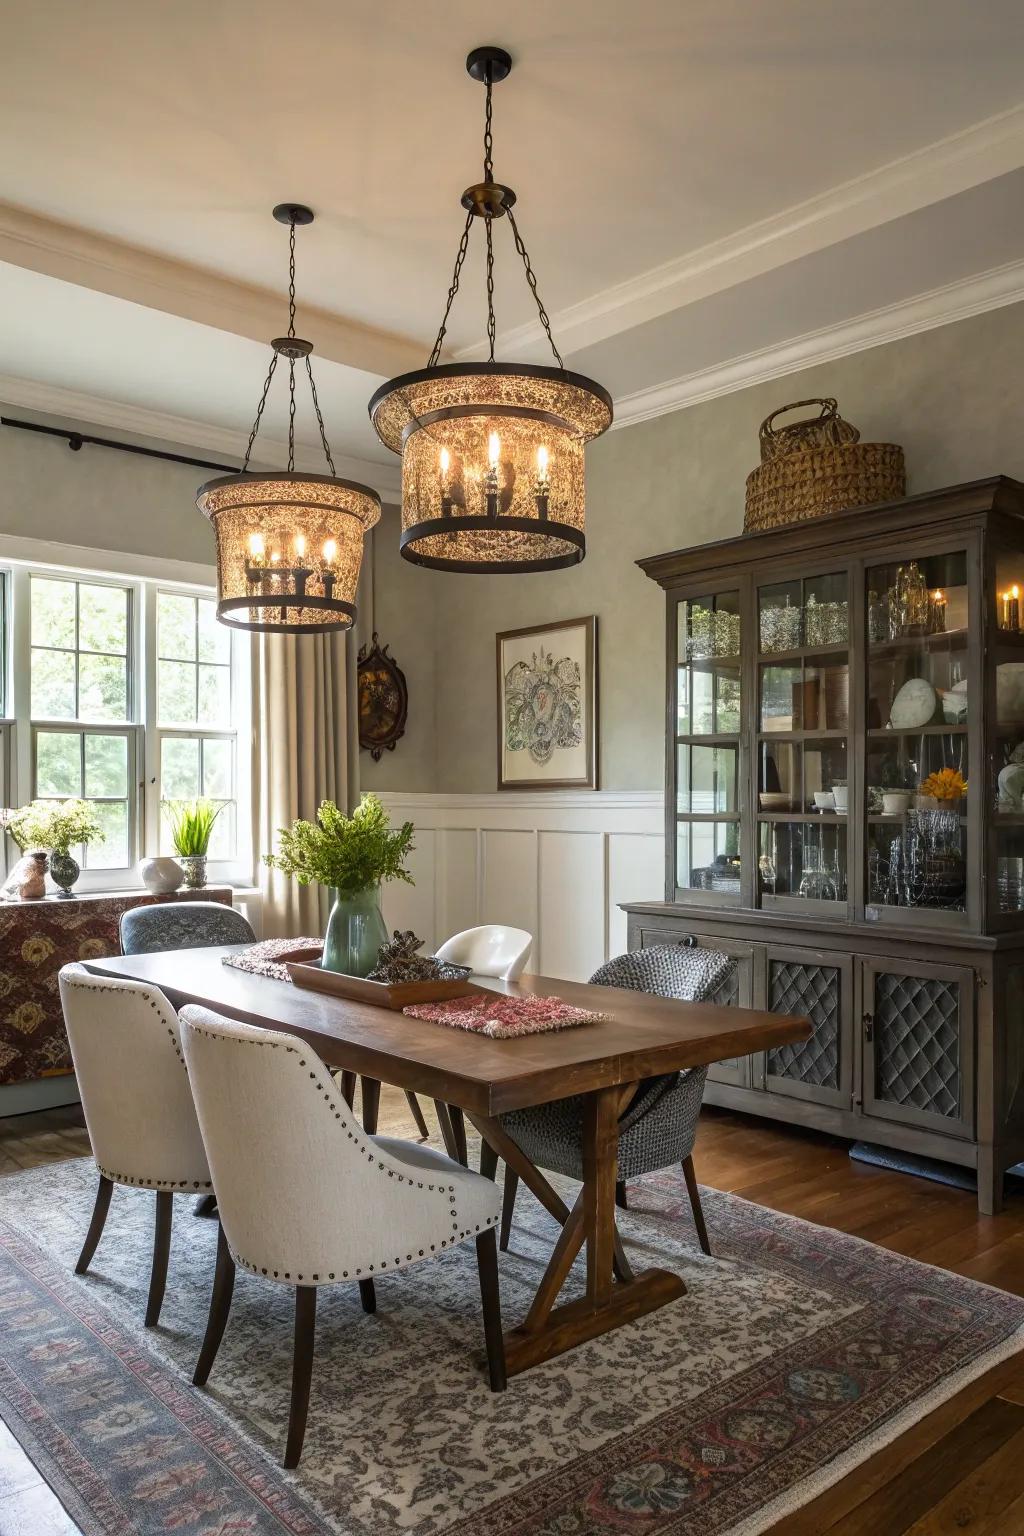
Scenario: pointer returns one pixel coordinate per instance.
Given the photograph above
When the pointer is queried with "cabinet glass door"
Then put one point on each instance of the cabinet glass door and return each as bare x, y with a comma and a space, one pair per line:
916, 748
1006, 791
803, 716
707, 842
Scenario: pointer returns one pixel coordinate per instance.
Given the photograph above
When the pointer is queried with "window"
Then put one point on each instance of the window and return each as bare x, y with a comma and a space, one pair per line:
193, 687
126, 693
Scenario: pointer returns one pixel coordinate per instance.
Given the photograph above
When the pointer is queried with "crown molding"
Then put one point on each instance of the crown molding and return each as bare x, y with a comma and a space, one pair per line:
942, 306
940, 170
94, 410
90, 260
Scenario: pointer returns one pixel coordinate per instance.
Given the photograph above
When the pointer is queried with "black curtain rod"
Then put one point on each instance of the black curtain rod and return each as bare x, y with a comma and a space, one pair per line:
76, 440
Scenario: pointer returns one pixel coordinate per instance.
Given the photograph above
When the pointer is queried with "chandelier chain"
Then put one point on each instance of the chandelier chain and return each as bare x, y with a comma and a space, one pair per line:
531, 278
291, 278
452, 291
291, 414
259, 411
488, 134
491, 331
320, 420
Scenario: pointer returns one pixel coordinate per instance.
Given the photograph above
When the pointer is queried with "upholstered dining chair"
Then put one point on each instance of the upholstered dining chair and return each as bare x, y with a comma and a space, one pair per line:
491, 950
659, 1127
307, 1199
182, 925
137, 1103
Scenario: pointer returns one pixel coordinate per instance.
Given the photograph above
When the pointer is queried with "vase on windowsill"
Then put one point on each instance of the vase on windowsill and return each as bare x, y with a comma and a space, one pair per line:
191, 823
64, 871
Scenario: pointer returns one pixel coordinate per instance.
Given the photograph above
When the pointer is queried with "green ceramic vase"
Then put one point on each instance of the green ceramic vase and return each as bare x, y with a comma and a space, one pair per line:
355, 932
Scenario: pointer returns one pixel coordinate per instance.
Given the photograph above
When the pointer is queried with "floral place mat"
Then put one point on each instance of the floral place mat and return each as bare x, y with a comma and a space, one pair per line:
267, 958
504, 1018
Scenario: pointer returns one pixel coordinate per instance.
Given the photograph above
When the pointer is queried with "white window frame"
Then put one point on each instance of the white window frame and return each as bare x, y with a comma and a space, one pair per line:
144, 576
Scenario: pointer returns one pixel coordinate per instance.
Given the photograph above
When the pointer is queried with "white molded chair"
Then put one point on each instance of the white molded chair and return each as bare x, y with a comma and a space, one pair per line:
137, 1103
306, 1198
492, 950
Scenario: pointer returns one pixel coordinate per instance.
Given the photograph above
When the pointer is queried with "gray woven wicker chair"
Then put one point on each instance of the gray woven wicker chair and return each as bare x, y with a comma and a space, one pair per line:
182, 925
659, 1127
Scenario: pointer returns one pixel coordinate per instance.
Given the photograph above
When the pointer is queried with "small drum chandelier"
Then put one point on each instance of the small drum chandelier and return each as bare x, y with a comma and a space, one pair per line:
289, 545
492, 453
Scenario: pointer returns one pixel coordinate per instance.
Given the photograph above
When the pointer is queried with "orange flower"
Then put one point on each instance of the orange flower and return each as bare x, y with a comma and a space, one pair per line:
947, 784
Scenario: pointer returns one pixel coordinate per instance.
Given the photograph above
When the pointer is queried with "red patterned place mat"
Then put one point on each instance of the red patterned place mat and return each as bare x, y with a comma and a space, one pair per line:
267, 958
504, 1018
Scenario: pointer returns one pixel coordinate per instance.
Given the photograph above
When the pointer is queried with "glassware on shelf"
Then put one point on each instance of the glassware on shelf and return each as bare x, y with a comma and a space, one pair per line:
925, 866
1010, 884
878, 617
909, 603
766, 869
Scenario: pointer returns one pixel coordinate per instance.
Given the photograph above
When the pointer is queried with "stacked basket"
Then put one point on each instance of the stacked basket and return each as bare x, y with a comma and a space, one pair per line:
816, 465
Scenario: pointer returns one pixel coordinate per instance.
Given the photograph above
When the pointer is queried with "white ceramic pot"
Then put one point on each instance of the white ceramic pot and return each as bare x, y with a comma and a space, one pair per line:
161, 876
896, 802
841, 795
824, 800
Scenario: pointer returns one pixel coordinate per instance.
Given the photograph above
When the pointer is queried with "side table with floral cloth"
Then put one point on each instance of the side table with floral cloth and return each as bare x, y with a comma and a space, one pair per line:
36, 939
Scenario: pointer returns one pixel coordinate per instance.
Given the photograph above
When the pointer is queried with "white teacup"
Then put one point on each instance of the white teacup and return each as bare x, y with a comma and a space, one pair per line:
841, 796
824, 800
896, 802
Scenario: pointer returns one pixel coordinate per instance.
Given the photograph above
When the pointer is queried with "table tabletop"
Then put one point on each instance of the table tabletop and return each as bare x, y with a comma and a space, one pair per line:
641, 1035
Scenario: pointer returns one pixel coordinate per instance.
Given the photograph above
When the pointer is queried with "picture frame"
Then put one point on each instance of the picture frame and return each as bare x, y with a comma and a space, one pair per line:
547, 734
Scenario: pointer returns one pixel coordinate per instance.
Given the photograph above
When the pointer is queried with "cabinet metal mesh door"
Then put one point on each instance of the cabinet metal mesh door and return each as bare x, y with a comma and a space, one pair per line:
917, 1044
811, 992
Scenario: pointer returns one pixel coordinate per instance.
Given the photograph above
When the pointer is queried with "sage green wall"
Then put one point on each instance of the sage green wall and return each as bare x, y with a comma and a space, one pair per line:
952, 398
100, 498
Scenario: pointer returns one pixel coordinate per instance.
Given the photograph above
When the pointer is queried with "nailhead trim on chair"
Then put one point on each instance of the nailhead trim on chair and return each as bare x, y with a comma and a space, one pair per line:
129, 1179
274, 1274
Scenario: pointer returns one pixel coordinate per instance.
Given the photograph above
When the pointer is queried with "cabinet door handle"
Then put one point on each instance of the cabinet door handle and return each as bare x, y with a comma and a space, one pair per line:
869, 1026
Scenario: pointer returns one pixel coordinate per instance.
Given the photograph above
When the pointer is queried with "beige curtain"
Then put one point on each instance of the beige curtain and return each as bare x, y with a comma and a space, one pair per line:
304, 749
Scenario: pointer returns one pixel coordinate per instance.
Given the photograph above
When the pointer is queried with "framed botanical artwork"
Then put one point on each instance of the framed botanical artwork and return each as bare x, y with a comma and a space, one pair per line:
547, 706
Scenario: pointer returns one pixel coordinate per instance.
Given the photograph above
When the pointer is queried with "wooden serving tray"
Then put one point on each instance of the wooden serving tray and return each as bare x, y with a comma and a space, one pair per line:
394, 995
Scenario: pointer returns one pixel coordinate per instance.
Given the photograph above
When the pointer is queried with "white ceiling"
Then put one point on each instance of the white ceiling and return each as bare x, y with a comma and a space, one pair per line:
695, 182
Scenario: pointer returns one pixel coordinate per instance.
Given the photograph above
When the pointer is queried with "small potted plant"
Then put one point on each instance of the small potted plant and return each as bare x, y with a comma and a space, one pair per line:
191, 823
352, 856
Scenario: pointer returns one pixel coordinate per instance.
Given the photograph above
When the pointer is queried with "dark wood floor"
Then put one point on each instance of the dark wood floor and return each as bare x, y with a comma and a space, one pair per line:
959, 1470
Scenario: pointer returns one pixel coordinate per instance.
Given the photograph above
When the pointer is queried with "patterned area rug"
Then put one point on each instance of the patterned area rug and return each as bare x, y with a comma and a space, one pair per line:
796, 1354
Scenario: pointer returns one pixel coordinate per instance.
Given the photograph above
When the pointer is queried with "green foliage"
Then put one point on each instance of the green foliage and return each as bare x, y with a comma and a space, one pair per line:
345, 853
56, 825
191, 824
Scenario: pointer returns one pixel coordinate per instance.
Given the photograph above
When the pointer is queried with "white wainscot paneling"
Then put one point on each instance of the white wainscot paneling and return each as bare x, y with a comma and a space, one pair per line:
508, 887
414, 906
573, 910
556, 863
636, 872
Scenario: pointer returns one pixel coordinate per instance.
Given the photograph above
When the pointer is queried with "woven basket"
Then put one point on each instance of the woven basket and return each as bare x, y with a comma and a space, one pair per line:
818, 465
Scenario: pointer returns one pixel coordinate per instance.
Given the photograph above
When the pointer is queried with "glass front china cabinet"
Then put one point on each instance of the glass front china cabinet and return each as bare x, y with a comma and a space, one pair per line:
845, 814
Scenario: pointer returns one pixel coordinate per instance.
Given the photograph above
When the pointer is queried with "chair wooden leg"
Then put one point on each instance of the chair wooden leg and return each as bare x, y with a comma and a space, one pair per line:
488, 1160
698, 1209
371, 1104
487, 1263
508, 1205
620, 1195
444, 1120
348, 1087
161, 1253
302, 1371
367, 1295
417, 1114
206, 1205
458, 1120
96, 1225
220, 1306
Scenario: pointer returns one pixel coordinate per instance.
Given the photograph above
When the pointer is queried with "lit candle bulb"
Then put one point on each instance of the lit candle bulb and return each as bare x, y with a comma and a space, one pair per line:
257, 549
1015, 607
300, 547
938, 610
491, 478
1004, 610
330, 553
542, 489
445, 464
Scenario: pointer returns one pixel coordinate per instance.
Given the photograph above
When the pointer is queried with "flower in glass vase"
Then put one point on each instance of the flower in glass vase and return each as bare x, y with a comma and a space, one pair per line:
352, 856
946, 785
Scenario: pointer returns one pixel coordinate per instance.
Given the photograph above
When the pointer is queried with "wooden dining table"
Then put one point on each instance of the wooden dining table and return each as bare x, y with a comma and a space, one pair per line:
639, 1036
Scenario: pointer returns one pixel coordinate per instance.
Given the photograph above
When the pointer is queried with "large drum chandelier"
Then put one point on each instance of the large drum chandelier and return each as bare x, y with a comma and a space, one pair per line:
492, 453
289, 545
